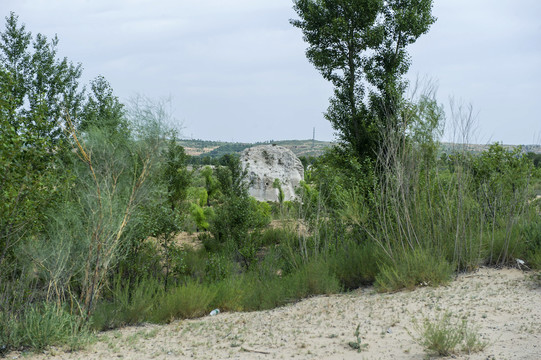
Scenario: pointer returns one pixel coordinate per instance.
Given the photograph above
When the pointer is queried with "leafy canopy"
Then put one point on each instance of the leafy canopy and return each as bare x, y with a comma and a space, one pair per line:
360, 47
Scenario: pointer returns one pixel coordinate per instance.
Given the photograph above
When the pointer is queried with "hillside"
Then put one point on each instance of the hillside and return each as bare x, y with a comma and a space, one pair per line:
216, 149
478, 148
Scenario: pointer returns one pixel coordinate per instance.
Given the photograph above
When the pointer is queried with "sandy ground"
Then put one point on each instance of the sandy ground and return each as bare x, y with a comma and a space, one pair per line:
505, 305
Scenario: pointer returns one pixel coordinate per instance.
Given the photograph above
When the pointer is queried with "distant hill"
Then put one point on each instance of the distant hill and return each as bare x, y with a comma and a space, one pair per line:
479, 148
215, 149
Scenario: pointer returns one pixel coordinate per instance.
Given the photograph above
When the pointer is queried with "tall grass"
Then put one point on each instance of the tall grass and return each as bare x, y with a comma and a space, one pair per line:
464, 209
418, 267
146, 301
41, 325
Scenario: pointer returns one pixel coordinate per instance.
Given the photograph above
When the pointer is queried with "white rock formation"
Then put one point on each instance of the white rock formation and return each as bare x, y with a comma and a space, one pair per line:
269, 162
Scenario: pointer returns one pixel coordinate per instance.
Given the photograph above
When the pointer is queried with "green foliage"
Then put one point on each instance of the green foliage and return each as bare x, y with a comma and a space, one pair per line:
354, 42
278, 186
142, 259
357, 345
175, 173
200, 216
500, 181
535, 158
103, 110
232, 176
211, 184
384, 209
314, 278
236, 224
34, 88
414, 268
500, 177
231, 293
194, 263
219, 267
272, 236
198, 196
132, 303
444, 336
354, 264
40, 83
531, 233
146, 300
186, 301
42, 325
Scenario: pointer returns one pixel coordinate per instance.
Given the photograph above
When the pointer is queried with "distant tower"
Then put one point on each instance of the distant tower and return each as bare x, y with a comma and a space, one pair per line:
313, 138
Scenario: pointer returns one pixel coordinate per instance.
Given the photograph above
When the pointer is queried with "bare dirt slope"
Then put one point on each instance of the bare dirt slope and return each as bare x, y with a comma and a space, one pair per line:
504, 304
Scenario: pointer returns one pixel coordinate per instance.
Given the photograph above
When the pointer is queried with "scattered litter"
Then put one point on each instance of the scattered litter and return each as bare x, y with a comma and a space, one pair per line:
214, 312
521, 263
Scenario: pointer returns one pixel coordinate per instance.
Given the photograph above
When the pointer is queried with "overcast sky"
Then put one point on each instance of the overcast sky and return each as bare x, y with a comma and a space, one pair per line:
235, 70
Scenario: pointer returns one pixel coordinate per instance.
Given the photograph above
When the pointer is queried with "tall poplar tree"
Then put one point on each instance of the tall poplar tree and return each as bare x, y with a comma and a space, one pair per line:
360, 47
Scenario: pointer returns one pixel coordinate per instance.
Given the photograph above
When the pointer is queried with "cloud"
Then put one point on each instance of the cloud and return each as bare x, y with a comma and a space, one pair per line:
236, 69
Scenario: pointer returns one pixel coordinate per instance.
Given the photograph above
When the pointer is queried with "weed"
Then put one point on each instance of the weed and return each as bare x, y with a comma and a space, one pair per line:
446, 337
356, 345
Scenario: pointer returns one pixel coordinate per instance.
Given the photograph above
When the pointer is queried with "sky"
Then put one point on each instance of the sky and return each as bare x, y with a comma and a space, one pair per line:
236, 70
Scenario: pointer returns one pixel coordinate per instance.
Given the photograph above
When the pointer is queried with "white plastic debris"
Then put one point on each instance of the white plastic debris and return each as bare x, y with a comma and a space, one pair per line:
214, 312
521, 263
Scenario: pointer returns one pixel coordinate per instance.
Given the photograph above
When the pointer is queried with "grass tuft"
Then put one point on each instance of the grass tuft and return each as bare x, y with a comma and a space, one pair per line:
447, 337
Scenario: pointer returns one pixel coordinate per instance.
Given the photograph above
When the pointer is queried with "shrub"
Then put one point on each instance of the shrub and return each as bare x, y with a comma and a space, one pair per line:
264, 294
218, 267
444, 336
42, 325
413, 268
355, 264
532, 235
194, 263
185, 301
130, 304
236, 225
230, 293
199, 216
273, 236
315, 278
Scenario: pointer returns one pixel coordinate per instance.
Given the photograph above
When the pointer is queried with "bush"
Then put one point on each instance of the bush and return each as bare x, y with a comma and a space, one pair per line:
218, 267
413, 268
272, 236
42, 325
131, 304
355, 264
444, 336
195, 263
264, 294
261, 289
532, 235
315, 278
185, 301
236, 225
230, 293
143, 260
